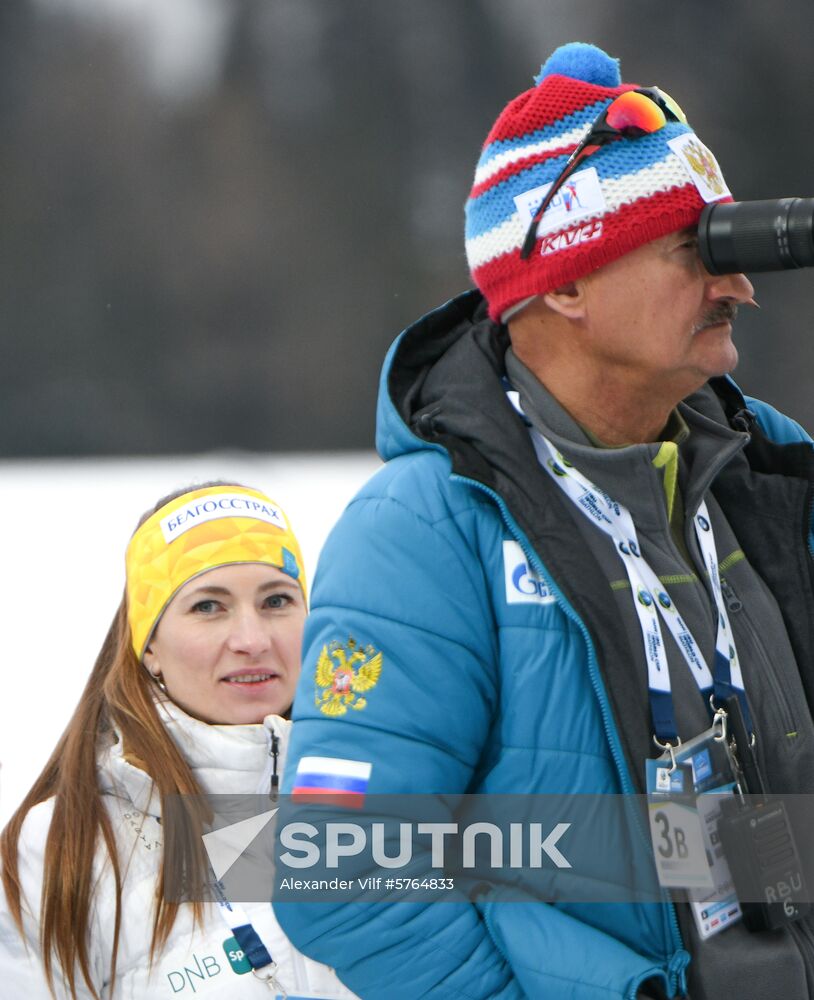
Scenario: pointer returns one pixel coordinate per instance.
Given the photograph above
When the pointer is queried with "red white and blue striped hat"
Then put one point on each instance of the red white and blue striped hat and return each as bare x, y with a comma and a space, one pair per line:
628, 193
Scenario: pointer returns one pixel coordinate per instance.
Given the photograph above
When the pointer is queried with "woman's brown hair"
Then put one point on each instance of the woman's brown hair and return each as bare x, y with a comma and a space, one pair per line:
120, 696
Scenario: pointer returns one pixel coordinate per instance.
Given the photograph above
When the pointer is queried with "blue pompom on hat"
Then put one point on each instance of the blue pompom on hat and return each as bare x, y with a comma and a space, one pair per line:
582, 61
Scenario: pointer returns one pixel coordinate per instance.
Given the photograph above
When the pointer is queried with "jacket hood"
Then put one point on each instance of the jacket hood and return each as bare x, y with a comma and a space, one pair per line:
443, 389
403, 396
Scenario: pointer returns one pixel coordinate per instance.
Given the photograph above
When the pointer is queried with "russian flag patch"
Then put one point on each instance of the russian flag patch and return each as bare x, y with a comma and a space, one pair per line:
332, 780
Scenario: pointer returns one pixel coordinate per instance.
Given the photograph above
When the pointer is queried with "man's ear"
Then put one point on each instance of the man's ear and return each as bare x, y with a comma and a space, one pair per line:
567, 300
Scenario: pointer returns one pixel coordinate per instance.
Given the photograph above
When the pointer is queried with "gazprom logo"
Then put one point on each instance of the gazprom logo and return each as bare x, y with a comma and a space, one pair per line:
523, 585
210, 508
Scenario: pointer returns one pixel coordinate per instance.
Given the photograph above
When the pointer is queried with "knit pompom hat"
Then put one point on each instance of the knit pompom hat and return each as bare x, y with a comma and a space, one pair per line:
626, 194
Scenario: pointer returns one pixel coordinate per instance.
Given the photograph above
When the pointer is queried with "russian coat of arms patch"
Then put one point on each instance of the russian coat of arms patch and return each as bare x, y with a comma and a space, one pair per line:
344, 671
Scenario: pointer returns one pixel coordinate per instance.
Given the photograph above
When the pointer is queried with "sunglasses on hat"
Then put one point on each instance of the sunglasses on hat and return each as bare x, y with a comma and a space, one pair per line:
628, 116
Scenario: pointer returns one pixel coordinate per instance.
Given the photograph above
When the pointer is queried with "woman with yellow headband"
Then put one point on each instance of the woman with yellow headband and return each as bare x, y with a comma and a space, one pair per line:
188, 696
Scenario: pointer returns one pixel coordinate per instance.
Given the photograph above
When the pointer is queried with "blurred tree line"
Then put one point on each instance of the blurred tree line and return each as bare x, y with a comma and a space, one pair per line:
225, 266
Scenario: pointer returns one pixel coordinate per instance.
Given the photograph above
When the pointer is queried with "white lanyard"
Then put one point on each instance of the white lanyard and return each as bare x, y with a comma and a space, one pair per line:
650, 598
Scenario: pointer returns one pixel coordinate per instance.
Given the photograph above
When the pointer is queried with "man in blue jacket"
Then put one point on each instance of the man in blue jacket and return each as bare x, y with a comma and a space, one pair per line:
582, 529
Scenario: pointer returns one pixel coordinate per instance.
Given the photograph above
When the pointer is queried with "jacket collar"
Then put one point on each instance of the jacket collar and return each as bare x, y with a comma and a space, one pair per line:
633, 474
223, 759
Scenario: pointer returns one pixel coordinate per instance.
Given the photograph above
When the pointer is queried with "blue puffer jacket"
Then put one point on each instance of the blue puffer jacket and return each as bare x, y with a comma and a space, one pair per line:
477, 692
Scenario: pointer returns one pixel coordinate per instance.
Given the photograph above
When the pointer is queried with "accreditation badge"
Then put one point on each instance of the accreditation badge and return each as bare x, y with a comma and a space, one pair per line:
684, 827
675, 826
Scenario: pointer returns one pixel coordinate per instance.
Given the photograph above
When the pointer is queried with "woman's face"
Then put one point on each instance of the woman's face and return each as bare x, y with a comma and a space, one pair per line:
228, 644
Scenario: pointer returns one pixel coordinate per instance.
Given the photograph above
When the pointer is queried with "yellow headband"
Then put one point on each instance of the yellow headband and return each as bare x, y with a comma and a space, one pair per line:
196, 532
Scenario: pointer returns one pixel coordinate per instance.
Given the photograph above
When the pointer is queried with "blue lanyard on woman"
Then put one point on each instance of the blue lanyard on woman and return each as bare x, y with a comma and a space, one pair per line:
259, 957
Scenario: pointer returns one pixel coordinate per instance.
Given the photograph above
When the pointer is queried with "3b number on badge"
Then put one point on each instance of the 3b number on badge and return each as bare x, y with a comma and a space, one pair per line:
678, 846
672, 839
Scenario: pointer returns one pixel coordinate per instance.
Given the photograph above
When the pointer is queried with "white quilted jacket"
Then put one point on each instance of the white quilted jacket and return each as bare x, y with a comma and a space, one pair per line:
224, 759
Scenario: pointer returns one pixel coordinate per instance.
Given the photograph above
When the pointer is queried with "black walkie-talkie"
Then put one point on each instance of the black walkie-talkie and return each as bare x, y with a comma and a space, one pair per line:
759, 843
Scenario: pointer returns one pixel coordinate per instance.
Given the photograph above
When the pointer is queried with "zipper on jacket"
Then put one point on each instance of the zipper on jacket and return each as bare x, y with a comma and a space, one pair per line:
677, 964
735, 606
675, 977
744, 420
274, 753
733, 603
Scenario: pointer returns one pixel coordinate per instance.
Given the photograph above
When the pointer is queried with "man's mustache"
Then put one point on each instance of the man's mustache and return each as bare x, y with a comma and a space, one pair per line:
723, 312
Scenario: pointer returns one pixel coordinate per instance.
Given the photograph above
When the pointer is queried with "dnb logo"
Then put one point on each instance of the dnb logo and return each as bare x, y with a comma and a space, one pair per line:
523, 585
